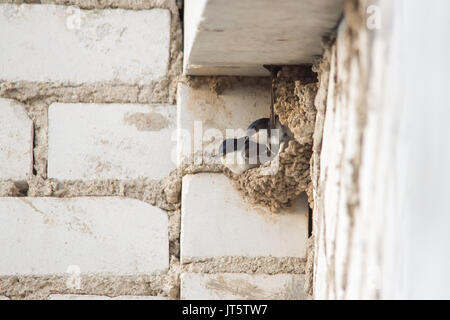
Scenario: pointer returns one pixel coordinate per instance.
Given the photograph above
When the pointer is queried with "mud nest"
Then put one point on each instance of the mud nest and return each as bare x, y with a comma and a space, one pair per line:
295, 91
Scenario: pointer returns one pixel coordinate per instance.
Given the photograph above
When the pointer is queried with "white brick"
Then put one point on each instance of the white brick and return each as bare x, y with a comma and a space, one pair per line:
16, 141
59, 43
242, 286
217, 221
235, 108
94, 297
110, 141
40, 236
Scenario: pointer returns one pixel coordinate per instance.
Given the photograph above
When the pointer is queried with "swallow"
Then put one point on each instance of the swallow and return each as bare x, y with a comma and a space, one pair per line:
258, 132
242, 154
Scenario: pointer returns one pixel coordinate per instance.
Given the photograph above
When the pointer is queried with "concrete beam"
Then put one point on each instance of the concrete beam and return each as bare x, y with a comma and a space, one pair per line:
237, 37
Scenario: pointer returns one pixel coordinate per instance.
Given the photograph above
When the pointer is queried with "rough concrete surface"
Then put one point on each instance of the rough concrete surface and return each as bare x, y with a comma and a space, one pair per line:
384, 158
343, 104
322, 68
266, 265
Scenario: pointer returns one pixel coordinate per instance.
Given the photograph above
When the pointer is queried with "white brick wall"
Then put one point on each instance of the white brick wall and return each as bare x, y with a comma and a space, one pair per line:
232, 37
110, 141
64, 44
241, 286
217, 221
16, 141
94, 141
40, 236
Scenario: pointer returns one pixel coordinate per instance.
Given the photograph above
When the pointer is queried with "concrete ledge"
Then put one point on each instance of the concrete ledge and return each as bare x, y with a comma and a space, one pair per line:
237, 37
